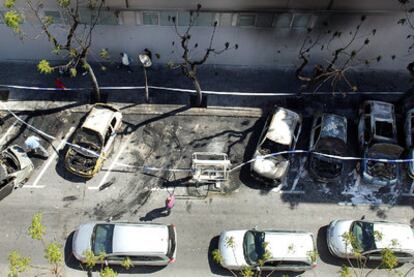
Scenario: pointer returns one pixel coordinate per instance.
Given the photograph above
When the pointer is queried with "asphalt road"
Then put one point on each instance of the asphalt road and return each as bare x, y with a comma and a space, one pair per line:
200, 215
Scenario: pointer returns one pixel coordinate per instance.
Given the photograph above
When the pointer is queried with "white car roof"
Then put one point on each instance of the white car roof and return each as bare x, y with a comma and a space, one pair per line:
99, 119
290, 245
282, 126
140, 238
394, 236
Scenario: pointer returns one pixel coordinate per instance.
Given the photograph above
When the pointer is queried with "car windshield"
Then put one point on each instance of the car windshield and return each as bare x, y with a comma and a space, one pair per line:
268, 146
102, 239
253, 246
326, 167
89, 140
363, 233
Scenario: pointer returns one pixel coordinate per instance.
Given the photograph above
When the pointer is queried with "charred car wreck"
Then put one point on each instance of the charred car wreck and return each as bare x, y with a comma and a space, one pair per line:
280, 134
409, 139
15, 169
377, 134
93, 141
328, 136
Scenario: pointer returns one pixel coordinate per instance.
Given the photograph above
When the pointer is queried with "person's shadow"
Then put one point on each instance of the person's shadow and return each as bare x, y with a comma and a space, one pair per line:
151, 215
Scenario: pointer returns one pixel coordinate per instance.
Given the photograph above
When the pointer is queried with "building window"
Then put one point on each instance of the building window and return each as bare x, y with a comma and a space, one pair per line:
283, 20
166, 18
88, 16
205, 19
246, 20
55, 15
150, 18
301, 20
225, 20
264, 20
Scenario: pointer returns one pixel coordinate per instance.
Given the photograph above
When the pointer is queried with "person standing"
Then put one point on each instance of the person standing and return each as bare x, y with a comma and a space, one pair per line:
126, 61
33, 145
169, 204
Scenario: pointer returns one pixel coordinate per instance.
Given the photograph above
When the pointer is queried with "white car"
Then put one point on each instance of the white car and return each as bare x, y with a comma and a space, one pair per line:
280, 134
143, 244
289, 250
371, 237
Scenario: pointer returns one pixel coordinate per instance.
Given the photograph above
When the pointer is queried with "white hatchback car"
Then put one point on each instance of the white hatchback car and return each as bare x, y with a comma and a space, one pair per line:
371, 237
144, 244
289, 250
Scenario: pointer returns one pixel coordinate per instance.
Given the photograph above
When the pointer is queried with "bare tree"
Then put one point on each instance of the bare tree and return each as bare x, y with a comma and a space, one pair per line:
77, 38
334, 71
190, 64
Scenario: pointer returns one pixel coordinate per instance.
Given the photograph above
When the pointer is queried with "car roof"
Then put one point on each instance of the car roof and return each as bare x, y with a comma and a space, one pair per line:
334, 126
282, 126
290, 245
394, 236
99, 118
140, 238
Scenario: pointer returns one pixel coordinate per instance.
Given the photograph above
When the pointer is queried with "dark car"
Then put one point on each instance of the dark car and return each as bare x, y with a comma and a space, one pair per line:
377, 134
328, 136
280, 134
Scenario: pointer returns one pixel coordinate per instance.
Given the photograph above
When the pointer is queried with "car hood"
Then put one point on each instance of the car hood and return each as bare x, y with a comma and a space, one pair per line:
335, 241
233, 257
81, 241
271, 167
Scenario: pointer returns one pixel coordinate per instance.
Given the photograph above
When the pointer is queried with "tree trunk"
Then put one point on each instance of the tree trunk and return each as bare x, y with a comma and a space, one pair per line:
198, 90
96, 92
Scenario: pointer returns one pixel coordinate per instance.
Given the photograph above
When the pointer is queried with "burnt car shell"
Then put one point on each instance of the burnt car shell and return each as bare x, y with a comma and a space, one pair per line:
377, 134
409, 139
15, 169
328, 136
280, 133
94, 140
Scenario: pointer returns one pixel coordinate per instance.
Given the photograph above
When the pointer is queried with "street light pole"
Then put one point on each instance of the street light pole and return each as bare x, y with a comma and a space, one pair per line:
146, 62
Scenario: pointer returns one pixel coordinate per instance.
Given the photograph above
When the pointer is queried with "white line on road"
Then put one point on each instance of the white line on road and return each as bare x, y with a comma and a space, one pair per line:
4, 137
51, 159
105, 177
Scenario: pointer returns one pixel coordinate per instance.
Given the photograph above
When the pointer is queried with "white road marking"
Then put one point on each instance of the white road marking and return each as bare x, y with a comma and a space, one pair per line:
4, 137
51, 158
105, 177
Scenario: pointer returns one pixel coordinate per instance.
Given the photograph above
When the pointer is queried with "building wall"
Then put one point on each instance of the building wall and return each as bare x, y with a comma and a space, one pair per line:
267, 43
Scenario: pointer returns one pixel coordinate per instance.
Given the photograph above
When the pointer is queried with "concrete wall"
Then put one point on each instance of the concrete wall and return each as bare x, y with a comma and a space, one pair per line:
257, 46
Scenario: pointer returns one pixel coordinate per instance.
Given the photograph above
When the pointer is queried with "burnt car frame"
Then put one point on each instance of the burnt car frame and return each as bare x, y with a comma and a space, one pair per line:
328, 136
280, 133
409, 139
93, 141
15, 169
377, 135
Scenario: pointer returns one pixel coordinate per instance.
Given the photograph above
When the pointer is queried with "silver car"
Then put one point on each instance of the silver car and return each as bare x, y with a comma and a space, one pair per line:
280, 134
371, 237
288, 250
143, 244
15, 169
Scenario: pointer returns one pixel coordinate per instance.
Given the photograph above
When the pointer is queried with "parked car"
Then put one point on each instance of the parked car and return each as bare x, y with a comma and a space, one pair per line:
289, 250
377, 134
328, 136
96, 135
409, 139
371, 237
280, 133
144, 244
15, 169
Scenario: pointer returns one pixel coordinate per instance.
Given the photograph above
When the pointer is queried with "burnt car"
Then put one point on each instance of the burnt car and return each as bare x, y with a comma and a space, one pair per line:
409, 139
15, 169
280, 134
377, 134
328, 136
93, 141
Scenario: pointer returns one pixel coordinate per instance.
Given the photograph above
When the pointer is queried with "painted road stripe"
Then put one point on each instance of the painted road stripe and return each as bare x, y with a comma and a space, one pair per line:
52, 158
114, 163
4, 137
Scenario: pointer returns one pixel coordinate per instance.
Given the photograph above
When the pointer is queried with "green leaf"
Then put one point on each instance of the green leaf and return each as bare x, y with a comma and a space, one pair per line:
108, 272
53, 253
127, 263
388, 259
73, 72
17, 264
345, 271
217, 257
64, 3
37, 230
247, 272
47, 20
13, 20
104, 54
9, 3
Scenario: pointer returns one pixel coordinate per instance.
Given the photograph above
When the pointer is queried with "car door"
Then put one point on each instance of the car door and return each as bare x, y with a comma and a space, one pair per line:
373, 255
6, 187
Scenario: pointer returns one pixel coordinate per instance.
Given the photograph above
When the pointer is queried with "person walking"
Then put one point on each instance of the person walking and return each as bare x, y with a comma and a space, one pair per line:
33, 145
126, 61
169, 204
